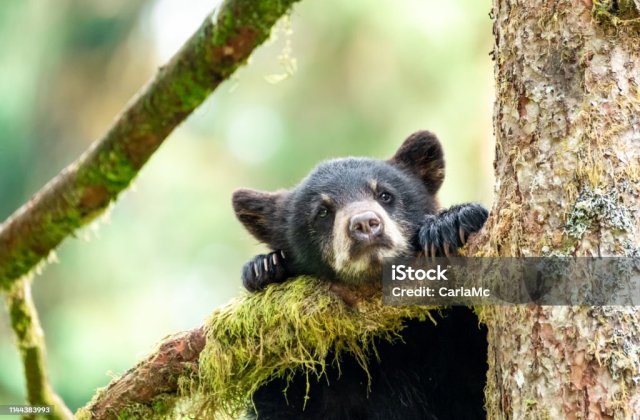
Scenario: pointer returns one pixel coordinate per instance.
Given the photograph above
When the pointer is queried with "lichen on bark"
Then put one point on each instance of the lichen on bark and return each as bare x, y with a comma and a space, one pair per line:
567, 125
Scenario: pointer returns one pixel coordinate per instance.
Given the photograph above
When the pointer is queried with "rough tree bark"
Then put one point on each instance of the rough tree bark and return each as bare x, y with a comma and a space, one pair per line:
567, 126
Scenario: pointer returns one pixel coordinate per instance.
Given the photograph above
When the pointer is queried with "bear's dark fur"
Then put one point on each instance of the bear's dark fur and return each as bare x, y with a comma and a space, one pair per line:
434, 372
339, 224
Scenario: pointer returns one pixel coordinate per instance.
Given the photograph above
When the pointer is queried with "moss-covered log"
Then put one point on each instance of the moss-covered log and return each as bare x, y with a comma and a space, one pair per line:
86, 187
567, 124
290, 326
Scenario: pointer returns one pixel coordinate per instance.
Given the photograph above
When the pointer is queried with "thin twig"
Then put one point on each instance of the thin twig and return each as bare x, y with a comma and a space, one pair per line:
30, 342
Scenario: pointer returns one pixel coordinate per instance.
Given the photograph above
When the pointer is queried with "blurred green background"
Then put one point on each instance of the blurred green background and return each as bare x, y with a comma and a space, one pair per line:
368, 74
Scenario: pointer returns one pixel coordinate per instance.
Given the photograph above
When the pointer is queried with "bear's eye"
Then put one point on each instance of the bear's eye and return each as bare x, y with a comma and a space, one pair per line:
323, 212
385, 197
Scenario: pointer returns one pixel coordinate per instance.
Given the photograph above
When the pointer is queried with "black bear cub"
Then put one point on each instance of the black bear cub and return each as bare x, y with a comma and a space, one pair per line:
339, 224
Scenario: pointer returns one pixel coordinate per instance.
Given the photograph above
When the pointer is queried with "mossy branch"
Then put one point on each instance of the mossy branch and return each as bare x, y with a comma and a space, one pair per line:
149, 385
30, 341
212, 372
86, 187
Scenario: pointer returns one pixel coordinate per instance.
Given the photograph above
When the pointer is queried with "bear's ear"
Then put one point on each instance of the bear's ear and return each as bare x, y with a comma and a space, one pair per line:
258, 210
421, 154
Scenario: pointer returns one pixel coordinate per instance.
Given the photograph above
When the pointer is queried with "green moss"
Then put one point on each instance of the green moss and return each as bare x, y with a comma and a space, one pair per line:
616, 12
160, 407
83, 414
288, 327
136, 412
53, 226
20, 320
259, 15
112, 169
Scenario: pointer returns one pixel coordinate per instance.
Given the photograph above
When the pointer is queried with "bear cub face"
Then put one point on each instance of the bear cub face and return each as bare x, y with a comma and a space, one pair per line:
339, 224
349, 214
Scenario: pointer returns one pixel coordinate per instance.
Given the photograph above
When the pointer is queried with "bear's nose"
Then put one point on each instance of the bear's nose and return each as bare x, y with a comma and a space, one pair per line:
364, 226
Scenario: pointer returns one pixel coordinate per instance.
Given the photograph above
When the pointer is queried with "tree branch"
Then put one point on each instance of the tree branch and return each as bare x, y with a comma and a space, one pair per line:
157, 375
86, 187
30, 341
212, 371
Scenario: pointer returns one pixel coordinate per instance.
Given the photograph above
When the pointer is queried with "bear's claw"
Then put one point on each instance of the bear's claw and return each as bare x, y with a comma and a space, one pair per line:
264, 269
442, 234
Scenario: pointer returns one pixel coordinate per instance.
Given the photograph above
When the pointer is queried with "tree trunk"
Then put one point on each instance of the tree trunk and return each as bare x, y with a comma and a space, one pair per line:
567, 126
